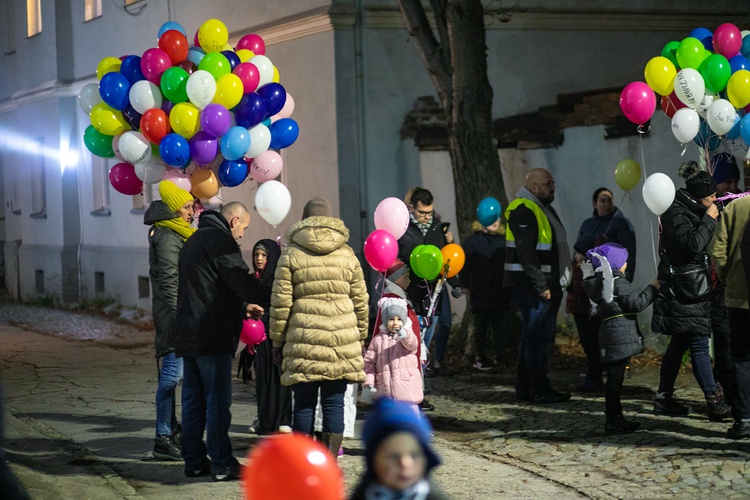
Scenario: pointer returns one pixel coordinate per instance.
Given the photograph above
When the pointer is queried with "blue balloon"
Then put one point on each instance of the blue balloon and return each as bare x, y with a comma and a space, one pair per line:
132, 116
170, 25
232, 173
283, 133
705, 36
232, 57
174, 150
195, 54
274, 95
745, 47
250, 111
488, 211
234, 143
734, 132
115, 90
739, 62
131, 69
706, 137
745, 128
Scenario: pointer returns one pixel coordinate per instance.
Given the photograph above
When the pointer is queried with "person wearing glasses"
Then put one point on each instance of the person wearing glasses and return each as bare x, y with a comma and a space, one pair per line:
536, 271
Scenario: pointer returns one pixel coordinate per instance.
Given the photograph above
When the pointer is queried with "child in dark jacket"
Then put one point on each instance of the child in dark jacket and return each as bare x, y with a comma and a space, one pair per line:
619, 337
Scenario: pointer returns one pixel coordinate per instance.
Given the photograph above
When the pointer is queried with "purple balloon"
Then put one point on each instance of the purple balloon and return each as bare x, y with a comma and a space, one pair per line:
203, 148
215, 119
167, 106
132, 116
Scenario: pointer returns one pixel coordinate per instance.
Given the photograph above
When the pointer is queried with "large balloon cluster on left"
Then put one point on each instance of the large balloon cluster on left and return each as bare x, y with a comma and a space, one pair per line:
204, 112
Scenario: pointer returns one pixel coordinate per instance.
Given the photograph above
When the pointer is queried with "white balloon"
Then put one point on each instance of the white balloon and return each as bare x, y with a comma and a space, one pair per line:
273, 201
706, 102
89, 97
739, 149
720, 116
658, 192
685, 124
265, 69
135, 148
201, 88
144, 95
151, 172
260, 139
689, 87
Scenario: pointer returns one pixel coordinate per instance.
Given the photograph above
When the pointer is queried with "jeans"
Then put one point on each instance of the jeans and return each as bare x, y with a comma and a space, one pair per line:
443, 328
429, 332
722, 343
539, 321
613, 391
170, 375
738, 321
206, 401
702, 371
588, 333
331, 400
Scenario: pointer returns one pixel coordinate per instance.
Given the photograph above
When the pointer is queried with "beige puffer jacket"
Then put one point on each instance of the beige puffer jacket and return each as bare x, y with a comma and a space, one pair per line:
319, 304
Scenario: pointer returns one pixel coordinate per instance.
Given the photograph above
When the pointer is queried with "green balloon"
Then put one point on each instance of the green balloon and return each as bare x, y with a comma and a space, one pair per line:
690, 53
174, 84
716, 71
428, 262
98, 143
215, 63
670, 52
413, 258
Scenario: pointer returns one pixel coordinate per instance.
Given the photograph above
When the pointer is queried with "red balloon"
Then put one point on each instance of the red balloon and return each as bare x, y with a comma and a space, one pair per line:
253, 331
253, 43
155, 125
381, 249
175, 44
671, 103
309, 470
123, 179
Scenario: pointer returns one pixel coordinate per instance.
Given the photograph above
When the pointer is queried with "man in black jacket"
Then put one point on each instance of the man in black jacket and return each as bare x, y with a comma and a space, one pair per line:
214, 282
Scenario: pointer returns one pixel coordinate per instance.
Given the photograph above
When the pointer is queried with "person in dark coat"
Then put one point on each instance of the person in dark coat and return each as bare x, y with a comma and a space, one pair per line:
170, 220
214, 283
274, 399
619, 337
687, 228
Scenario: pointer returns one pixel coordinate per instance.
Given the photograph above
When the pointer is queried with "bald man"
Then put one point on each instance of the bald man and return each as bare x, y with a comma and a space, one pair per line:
214, 281
537, 272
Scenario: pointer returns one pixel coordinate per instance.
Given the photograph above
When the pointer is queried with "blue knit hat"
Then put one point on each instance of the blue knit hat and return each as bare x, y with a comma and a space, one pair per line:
725, 168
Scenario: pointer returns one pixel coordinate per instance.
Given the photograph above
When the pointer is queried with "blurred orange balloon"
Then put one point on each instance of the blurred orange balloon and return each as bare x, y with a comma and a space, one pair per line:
454, 256
203, 184
287, 466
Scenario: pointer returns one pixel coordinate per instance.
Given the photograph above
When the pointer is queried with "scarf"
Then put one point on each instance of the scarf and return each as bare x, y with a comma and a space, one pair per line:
558, 230
423, 227
417, 492
178, 225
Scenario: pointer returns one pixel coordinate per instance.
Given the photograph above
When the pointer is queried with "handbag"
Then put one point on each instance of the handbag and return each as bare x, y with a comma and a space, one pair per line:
690, 282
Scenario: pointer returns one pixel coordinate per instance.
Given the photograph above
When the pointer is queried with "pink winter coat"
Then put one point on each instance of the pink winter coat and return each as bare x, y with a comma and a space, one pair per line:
392, 366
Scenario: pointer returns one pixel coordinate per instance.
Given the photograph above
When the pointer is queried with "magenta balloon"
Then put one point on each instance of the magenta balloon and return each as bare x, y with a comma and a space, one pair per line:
381, 249
638, 102
253, 43
266, 166
727, 40
123, 179
253, 332
249, 76
154, 62
216, 120
176, 177
392, 215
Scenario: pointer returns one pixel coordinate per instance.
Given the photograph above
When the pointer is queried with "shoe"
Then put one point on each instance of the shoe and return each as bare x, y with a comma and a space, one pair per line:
203, 470
430, 372
482, 364
718, 409
166, 449
253, 429
426, 406
341, 450
177, 436
589, 386
619, 425
285, 429
740, 430
666, 404
550, 396
441, 370
231, 474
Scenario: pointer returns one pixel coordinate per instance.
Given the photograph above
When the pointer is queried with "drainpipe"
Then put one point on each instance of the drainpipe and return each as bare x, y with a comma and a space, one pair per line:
360, 103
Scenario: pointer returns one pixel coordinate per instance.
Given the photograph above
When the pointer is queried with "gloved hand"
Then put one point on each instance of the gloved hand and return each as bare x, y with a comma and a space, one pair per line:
368, 393
456, 292
277, 356
399, 334
587, 268
565, 278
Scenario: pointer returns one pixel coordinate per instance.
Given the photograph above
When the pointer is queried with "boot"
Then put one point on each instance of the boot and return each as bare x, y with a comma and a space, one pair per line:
665, 404
620, 425
333, 443
166, 449
718, 409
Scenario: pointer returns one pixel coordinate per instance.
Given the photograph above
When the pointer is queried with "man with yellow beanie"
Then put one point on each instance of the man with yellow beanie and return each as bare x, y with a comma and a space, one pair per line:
169, 219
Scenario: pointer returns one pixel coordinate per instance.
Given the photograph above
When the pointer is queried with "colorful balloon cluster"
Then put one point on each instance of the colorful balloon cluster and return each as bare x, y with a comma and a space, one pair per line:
204, 115
704, 84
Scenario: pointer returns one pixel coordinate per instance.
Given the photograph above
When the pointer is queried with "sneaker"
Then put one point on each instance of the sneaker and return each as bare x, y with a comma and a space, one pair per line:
253, 429
231, 474
426, 406
550, 396
203, 470
589, 386
666, 404
285, 429
619, 425
166, 449
740, 430
482, 364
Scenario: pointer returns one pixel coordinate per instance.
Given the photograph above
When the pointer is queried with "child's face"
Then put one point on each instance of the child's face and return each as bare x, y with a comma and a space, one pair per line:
259, 259
394, 324
400, 462
623, 268
404, 281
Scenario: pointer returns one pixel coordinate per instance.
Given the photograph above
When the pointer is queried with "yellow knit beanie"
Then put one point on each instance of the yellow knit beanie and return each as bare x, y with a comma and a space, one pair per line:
173, 195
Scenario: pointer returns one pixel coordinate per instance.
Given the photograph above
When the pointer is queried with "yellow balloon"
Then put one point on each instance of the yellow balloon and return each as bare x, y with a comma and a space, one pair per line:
628, 174
276, 76
738, 88
245, 55
660, 73
229, 90
185, 119
107, 65
213, 35
108, 121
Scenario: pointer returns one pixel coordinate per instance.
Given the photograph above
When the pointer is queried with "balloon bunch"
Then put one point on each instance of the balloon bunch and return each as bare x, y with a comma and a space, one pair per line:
391, 221
204, 115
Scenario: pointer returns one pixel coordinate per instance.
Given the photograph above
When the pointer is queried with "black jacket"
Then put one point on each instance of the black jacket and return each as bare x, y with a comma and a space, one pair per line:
483, 271
163, 254
686, 233
214, 283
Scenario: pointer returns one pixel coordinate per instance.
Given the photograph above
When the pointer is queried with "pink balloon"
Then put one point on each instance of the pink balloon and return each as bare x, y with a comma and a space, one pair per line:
154, 62
381, 249
266, 166
249, 76
116, 147
638, 102
123, 179
727, 40
253, 43
176, 177
392, 215
253, 332
288, 108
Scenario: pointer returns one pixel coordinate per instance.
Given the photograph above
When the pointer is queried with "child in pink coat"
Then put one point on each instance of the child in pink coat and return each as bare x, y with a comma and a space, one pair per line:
391, 366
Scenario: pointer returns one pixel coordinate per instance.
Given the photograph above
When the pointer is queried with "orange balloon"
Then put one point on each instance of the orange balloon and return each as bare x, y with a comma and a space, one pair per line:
287, 466
204, 184
454, 256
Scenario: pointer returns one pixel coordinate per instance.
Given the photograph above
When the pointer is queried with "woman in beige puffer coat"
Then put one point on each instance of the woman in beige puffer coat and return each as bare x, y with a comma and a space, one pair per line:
319, 313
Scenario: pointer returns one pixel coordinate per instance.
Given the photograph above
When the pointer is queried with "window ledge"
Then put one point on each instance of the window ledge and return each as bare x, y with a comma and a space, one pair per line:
102, 212
17, 212
39, 215
138, 211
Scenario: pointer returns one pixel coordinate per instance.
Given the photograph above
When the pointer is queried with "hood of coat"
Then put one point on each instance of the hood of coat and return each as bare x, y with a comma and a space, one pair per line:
157, 211
211, 218
684, 198
319, 234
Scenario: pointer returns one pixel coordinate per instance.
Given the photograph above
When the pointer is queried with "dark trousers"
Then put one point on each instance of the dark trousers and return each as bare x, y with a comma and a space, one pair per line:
443, 327
739, 319
496, 320
613, 389
670, 363
274, 399
722, 342
588, 334
331, 400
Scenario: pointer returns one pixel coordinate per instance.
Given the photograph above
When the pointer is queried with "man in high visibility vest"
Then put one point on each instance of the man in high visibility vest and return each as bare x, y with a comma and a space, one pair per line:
536, 271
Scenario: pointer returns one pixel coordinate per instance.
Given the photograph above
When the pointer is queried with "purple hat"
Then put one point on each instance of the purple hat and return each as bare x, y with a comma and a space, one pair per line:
616, 255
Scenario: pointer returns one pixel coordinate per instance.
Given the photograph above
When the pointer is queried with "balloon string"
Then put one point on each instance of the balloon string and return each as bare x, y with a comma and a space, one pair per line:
651, 226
